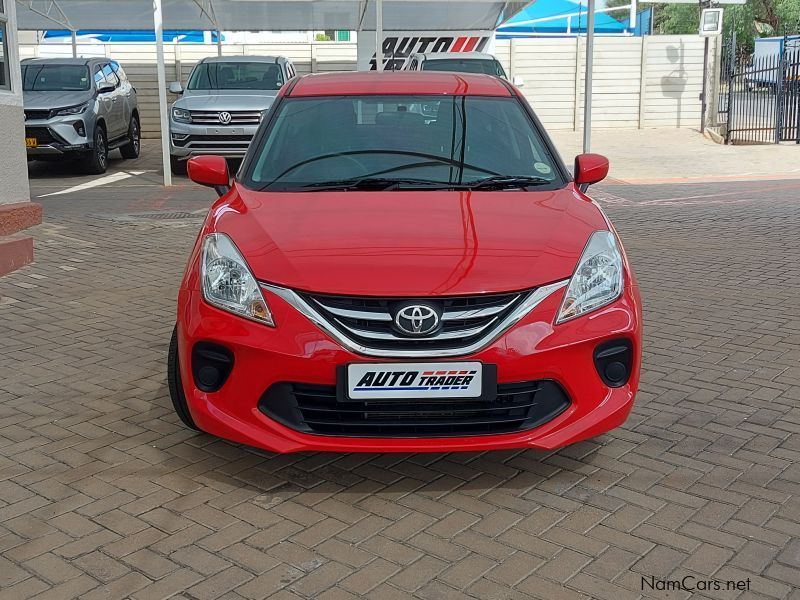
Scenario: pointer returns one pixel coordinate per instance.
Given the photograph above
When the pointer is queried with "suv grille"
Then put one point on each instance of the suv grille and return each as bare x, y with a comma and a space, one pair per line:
42, 114
315, 409
368, 320
44, 135
238, 117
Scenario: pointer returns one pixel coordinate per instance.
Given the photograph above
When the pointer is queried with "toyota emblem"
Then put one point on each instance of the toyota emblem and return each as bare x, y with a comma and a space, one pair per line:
416, 320
224, 117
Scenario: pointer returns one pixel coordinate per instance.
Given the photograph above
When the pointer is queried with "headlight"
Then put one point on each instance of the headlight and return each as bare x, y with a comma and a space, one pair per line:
597, 280
181, 115
227, 282
72, 110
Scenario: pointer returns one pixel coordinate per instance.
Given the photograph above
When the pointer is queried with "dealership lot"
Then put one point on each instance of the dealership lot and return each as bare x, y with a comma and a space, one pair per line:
105, 495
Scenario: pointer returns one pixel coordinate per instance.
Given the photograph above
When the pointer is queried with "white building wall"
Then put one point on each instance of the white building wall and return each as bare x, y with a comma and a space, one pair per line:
653, 81
13, 160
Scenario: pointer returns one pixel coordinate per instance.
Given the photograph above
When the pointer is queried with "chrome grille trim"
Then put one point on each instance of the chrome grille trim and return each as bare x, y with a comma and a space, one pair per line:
528, 303
238, 117
444, 335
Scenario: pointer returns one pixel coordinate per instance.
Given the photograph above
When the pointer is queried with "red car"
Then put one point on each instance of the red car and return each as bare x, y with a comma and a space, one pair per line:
403, 263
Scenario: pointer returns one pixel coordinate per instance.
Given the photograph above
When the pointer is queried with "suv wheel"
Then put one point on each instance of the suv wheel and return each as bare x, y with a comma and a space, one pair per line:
178, 167
96, 161
131, 149
175, 385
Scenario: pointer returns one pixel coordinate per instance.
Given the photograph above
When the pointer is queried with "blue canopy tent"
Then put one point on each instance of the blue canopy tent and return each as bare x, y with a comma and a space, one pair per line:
554, 17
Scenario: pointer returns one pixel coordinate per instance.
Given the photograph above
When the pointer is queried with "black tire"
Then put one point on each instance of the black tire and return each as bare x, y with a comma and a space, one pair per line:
175, 385
131, 149
178, 167
96, 161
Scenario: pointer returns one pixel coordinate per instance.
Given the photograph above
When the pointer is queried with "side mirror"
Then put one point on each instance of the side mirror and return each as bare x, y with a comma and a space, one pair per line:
105, 88
211, 171
175, 87
589, 169
518, 81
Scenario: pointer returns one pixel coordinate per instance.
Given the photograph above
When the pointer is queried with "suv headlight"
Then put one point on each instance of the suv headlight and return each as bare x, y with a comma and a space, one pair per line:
228, 283
72, 110
181, 115
597, 280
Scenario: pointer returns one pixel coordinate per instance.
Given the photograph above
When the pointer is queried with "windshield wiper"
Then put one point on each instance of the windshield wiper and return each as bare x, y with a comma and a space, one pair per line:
377, 183
499, 182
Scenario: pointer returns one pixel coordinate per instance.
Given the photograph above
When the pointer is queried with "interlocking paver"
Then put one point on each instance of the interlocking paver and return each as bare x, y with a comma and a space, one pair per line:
104, 495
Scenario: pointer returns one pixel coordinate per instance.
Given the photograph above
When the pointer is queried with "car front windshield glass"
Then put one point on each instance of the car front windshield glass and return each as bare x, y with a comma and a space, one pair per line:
236, 76
435, 141
464, 65
55, 78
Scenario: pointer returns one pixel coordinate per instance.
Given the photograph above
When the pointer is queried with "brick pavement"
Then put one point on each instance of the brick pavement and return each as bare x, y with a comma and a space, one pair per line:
104, 495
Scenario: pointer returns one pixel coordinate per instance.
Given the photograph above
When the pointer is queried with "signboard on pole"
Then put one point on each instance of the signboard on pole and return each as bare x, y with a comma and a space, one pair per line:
398, 46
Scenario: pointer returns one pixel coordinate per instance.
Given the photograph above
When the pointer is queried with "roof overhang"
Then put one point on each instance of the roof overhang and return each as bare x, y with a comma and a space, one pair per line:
265, 15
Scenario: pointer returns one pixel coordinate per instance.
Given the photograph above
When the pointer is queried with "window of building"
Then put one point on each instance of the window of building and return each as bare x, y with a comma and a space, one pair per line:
5, 79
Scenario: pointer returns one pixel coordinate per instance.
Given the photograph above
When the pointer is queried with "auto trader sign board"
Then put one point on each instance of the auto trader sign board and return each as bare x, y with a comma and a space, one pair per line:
398, 46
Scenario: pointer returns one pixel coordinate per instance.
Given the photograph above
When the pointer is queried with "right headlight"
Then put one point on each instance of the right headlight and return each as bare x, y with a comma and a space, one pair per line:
181, 115
598, 279
228, 283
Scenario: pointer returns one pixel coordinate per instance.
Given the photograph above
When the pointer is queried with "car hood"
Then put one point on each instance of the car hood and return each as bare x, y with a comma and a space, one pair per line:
227, 100
49, 100
408, 243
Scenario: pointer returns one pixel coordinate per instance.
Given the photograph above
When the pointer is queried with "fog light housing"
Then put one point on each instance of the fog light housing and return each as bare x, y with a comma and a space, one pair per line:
211, 365
80, 128
613, 361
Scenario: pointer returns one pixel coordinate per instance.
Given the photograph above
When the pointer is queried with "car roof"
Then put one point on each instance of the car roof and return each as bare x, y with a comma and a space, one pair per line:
399, 83
461, 55
229, 59
64, 61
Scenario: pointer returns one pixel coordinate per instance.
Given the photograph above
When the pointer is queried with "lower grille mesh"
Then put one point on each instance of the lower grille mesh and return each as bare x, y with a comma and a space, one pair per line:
316, 409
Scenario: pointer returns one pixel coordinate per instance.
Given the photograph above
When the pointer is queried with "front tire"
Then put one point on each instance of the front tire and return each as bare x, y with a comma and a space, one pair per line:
96, 162
131, 149
178, 167
176, 385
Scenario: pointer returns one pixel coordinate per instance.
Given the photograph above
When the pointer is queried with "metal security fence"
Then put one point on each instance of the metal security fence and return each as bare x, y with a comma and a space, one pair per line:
759, 99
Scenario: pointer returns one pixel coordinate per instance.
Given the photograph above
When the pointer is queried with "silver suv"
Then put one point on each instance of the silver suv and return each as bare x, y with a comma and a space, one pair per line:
222, 105
79, 107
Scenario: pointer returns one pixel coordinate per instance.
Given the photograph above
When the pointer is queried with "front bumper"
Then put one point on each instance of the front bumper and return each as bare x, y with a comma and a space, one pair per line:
298, 351
187, 140
59, 135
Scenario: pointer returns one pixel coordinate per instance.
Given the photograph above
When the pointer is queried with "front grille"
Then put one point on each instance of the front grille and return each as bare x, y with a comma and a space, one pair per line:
44, 135
316, 409
368, 321
238, 117
37, 114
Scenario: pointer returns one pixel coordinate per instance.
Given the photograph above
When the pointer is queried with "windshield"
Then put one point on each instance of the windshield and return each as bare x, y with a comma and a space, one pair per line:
55, 78
465, 65
236, 76
436, 141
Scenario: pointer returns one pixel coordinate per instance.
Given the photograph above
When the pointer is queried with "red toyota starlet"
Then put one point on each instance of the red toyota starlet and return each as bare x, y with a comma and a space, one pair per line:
403, 263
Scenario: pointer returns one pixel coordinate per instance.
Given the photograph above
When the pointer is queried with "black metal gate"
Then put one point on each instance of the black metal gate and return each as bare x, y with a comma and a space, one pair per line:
759, 99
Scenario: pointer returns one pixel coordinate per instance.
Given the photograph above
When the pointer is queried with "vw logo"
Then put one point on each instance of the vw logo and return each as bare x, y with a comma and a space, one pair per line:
416, 320
224, 117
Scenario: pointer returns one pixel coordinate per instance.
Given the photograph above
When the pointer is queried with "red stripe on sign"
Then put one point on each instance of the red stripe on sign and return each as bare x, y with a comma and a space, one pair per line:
441, 372
459, 43
462, 372
428, 373
473, 41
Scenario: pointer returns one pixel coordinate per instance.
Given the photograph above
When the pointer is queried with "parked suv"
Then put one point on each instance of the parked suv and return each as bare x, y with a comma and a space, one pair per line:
221, 107
79, 107
459, 62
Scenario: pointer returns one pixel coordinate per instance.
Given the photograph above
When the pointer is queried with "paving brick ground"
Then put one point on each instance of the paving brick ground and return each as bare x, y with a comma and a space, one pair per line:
104, 495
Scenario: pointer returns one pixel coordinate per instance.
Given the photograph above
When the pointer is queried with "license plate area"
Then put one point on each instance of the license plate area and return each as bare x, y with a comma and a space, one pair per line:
416, 382
31, 142
225, 131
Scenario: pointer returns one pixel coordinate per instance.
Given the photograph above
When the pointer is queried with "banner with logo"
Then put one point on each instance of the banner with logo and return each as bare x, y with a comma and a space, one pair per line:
399, 45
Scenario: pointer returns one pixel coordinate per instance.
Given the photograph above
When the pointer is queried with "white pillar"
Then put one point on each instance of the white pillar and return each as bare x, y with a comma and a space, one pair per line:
158, 22
379, 35
587, 85
74, 37
632, 20
219, 43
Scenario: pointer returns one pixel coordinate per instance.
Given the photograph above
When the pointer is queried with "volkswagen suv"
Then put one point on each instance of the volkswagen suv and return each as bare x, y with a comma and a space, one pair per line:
221, 107
378, 280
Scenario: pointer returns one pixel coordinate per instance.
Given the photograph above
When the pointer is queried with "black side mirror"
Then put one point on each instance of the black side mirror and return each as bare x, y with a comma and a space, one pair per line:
105, 88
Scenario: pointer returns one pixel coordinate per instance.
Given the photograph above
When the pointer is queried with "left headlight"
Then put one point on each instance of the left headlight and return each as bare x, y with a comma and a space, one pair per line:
228, 283
597, 280
72, 110
181, 115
